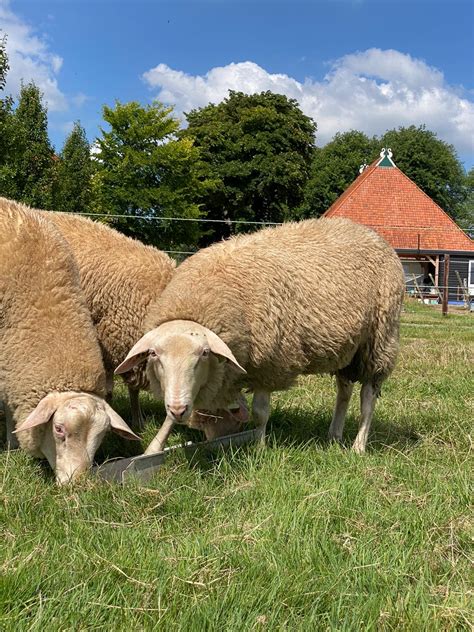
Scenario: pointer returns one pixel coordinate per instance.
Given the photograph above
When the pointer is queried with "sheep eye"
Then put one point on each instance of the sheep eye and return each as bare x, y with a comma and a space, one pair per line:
205, 352
59, 431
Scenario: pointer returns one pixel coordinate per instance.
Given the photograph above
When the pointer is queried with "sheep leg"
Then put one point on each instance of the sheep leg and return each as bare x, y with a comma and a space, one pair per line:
344, 392
261, 412
158, 443
109, 386
12, 441
368, 398
136, 413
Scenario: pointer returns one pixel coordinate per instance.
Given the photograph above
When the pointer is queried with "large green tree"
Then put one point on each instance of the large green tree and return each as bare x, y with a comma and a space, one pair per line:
6, 123
28, 174
258, 149
431, 163
335, 166
143, 169
73, 190
465, 216
4, 65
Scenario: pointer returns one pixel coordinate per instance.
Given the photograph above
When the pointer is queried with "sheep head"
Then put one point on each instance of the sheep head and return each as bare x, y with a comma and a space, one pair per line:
222, 422
183, 358
74, 426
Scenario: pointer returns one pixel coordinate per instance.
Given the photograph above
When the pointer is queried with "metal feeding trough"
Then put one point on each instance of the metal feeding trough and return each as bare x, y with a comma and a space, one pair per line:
143, 467
120, 470
234, 440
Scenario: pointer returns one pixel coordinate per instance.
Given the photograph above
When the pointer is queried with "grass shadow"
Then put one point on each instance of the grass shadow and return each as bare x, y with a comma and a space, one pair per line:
45, 471
301, 426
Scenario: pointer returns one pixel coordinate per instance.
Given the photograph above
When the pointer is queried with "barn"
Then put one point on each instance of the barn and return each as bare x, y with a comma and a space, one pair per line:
427, 240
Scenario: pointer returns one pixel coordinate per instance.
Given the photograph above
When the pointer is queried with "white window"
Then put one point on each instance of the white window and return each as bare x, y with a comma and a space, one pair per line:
412, 269
470, 280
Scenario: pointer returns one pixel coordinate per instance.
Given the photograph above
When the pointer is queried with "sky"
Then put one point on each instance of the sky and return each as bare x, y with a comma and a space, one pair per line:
370, 65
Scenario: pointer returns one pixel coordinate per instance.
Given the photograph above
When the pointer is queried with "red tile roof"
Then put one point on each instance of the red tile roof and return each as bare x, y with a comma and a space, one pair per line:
385, 199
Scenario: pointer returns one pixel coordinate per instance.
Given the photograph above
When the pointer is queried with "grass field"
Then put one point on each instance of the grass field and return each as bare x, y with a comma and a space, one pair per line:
300, 536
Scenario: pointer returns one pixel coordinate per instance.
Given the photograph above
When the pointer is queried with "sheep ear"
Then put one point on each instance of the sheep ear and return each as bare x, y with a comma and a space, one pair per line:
138, 353
219, 347
119, 426
41, 414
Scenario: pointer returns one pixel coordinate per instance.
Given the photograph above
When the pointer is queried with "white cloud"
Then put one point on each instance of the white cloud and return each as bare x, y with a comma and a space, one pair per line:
371, 91
65, 127
30, 59
79, 99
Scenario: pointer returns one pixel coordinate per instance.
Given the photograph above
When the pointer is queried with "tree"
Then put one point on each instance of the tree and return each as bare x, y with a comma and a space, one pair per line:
335, 166
465, 216
28, 176
258, 149
6, 123
73, 189
4, 65
144, 170
431, 163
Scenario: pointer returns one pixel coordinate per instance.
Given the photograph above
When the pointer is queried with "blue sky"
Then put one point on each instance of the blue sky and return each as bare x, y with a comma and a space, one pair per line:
362, 64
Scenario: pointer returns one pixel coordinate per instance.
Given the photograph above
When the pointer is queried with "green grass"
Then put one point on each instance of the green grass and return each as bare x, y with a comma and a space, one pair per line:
300, 536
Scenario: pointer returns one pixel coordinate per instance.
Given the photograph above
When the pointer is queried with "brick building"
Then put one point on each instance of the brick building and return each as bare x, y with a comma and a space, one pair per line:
383, 198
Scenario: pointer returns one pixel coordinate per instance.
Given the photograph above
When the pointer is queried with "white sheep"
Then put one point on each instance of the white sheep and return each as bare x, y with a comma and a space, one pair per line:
256, 311
52, 379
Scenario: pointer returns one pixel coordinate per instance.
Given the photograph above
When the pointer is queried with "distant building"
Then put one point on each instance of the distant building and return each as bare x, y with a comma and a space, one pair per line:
383, 198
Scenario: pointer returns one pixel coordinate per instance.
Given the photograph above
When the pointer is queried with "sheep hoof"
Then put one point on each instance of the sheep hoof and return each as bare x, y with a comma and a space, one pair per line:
261, 441
358, 448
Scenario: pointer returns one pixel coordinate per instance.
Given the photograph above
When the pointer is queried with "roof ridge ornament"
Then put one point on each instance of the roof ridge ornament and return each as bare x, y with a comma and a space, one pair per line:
363, 167
386, 158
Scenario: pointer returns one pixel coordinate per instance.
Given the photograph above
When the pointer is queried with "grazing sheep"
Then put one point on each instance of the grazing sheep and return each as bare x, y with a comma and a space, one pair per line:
319, 296
52, 380
120, 277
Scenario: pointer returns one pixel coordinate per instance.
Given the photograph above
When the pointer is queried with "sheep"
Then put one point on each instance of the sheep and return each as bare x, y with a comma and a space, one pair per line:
256, 311
52, 379
120, 277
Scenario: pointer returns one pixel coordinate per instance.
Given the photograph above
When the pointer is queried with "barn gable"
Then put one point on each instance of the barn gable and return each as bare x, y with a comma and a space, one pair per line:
383, 198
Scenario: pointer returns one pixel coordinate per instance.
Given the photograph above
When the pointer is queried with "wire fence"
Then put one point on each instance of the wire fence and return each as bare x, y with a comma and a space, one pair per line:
413, 230
154, 218
420, 290
255, 223
181, 219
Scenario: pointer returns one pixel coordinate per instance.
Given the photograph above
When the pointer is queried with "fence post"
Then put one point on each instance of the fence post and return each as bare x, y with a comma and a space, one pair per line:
446, 284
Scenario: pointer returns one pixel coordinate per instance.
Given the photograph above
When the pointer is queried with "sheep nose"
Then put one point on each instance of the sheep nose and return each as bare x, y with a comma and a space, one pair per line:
178, 411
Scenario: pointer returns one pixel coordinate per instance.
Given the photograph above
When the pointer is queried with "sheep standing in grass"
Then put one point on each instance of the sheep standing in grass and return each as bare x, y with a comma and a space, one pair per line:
120, 277
52, 380
256, 311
